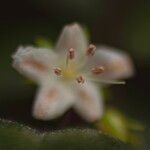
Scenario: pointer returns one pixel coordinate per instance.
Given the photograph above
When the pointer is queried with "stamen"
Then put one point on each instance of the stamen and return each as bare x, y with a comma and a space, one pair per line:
58, 71
80, 79
91, 50
97, 70
105, 81
71, 53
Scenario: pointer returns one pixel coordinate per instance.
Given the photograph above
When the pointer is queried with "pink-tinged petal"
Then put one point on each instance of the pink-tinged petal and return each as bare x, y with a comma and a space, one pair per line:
52, 101
72, 36
88, 102
117, 64
34, 63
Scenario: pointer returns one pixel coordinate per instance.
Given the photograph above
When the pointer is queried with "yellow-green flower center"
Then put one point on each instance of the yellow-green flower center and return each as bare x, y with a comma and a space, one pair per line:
70, 72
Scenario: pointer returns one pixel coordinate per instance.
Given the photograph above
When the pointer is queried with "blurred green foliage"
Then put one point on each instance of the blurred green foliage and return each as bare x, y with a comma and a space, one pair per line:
14, 136
118, 125
43, 42
17, 137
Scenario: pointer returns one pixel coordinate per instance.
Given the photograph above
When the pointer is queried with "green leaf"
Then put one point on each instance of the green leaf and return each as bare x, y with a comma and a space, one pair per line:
17, 137
81, 139
14, 136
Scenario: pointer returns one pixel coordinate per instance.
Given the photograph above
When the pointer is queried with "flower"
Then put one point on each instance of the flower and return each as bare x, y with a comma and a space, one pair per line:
68, 76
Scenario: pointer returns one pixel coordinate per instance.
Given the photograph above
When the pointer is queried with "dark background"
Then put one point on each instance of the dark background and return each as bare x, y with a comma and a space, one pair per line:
121, 23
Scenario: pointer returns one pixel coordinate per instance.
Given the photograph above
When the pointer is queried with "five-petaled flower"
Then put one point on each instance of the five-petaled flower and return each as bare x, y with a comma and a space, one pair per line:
68, 76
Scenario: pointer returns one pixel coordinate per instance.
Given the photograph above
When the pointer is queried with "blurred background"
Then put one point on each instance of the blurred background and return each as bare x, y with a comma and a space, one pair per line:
123, 24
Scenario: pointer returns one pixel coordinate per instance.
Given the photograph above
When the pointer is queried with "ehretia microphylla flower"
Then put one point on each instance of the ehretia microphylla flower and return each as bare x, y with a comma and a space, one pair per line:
68, 76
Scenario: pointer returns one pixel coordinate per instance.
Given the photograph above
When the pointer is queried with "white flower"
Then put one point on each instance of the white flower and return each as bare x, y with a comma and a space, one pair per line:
67, 76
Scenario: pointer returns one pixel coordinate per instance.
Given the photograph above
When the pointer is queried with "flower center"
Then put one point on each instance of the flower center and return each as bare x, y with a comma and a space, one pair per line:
69, 72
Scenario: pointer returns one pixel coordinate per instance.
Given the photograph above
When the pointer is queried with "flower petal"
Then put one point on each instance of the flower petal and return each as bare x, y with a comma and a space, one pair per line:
52, 101
72, 36
89, 102
33, 62
117, 64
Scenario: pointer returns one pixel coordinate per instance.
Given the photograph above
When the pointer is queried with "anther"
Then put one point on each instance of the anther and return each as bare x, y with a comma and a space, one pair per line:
97, 70
58, 71
91, 50
71, 53
80, 79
